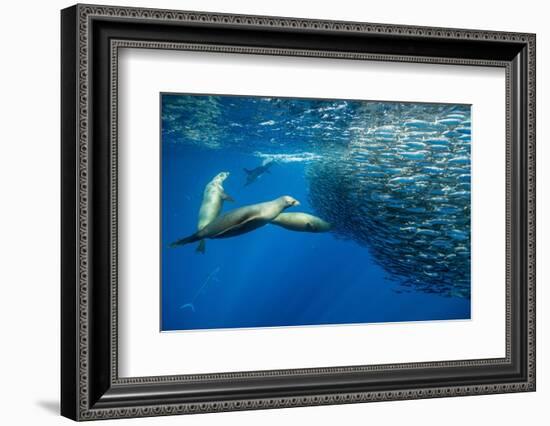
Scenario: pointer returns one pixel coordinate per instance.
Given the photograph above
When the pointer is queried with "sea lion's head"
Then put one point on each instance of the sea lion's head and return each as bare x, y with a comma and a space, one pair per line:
220, 177
289, 201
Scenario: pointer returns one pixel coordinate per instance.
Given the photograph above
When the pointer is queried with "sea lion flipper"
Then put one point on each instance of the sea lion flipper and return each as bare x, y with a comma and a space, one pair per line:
183, 241
228, 231
227, 197
201, 248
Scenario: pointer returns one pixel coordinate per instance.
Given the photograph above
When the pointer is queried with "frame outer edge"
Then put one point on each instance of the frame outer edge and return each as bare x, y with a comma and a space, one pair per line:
531, 213
69, 287
84, 193
83, 13
264, 21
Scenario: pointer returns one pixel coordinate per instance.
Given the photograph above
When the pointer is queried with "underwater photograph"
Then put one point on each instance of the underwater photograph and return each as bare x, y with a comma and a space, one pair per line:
279, 212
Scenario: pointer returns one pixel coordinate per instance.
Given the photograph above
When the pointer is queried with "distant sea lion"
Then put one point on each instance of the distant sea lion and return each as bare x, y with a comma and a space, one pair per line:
301, 222
252, 175
212, 202
241, 220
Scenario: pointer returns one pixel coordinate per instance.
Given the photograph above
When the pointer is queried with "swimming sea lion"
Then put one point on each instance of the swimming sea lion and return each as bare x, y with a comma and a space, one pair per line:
301, 222
212, 202
252, 175
241, 220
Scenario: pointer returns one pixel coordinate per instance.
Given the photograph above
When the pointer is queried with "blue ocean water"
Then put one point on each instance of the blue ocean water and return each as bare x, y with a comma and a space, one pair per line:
399, 209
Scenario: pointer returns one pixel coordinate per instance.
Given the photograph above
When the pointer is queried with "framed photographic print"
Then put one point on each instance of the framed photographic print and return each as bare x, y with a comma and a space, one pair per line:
263, 212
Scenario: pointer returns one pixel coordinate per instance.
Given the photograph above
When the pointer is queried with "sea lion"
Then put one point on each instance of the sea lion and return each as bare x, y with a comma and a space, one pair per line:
241, 220
301, 222
252, 175
212, 202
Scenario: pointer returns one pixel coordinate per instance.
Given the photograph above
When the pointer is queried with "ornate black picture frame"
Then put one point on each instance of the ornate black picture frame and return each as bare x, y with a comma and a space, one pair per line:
91, 387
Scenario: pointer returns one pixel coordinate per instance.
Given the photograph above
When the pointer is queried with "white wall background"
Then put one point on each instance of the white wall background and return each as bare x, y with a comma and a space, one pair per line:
29, 211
